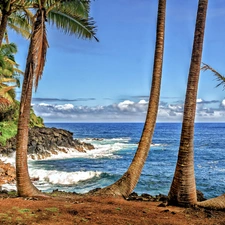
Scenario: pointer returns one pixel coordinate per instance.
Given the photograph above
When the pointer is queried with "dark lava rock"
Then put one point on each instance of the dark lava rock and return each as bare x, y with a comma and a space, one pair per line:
43, 142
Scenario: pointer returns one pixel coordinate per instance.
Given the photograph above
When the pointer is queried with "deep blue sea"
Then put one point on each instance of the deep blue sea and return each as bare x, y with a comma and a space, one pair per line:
115, 148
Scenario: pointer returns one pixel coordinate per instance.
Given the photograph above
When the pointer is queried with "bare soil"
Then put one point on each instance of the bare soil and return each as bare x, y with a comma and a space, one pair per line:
78, 209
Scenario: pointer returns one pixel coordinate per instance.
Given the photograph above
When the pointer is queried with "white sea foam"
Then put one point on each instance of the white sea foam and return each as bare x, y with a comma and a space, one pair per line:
9, 159
44, 179
105, 140
102, 149
62, 178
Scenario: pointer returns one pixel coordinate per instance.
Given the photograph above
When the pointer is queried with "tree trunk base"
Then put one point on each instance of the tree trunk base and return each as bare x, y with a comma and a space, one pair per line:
107, 191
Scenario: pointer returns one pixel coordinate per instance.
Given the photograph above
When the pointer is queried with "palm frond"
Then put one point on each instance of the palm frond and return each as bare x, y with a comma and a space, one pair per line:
17, 72
73, 24
4, 104
218, 76
6, 80
8, 49
81, 7
4, 90
19, 21
19, 30
7, 72
2, 61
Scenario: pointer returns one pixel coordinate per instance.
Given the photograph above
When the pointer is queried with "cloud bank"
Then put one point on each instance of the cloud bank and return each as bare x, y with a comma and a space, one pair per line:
129, 111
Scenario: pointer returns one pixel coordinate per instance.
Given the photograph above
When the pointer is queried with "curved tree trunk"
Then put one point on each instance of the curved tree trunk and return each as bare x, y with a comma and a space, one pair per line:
183, 188
24, 185
126, 184
3, 26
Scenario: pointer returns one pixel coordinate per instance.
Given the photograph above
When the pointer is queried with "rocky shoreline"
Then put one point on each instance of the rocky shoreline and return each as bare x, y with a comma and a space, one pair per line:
45, 142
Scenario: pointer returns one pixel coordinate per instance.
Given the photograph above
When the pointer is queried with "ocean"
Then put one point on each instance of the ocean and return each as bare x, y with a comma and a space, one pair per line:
115, 145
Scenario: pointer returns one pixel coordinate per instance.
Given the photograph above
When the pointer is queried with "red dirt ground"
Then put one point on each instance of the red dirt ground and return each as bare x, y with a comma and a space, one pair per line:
100, 210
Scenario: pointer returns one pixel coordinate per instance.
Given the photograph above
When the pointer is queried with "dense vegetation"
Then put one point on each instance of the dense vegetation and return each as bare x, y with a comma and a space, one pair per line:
9, 119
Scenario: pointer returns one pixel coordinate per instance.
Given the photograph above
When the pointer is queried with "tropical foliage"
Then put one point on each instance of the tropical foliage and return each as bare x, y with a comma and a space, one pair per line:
9, 76
15, 14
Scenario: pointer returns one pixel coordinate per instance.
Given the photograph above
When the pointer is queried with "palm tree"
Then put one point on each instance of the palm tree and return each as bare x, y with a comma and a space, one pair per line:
125, 185
72, 16
10, 10
183, 188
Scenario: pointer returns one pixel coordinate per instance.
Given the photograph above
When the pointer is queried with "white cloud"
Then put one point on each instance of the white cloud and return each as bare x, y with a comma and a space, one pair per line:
223, 103
142, 102
125, 104
64, 107
128, 111
199, 100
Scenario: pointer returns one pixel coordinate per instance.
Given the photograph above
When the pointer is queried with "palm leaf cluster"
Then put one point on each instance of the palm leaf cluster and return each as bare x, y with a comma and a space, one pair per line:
9, 73
72, 17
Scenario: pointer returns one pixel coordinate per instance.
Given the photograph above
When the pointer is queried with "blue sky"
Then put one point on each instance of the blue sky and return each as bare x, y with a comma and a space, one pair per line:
109, 81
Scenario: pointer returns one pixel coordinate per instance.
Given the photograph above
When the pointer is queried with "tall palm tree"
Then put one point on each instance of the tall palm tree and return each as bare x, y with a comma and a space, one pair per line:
126, 184
66, 15
183, 187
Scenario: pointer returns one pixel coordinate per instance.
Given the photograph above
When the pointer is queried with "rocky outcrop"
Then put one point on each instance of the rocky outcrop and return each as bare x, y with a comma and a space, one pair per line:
45, 142
7, 173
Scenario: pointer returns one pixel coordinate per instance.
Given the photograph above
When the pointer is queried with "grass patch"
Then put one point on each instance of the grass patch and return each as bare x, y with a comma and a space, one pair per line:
52, 209
12, 193
24, 210
4, 215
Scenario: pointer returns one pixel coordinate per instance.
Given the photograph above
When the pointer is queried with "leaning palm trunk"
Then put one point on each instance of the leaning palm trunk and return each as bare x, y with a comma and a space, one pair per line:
183, 188
34, 68
126, 184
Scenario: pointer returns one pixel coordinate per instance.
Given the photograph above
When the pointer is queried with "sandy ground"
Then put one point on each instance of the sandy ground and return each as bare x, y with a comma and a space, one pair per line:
70, 210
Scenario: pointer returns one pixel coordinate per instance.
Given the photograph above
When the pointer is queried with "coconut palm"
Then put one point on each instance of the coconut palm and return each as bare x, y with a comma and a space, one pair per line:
183, 187
126, 184
71, 16
12, 13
